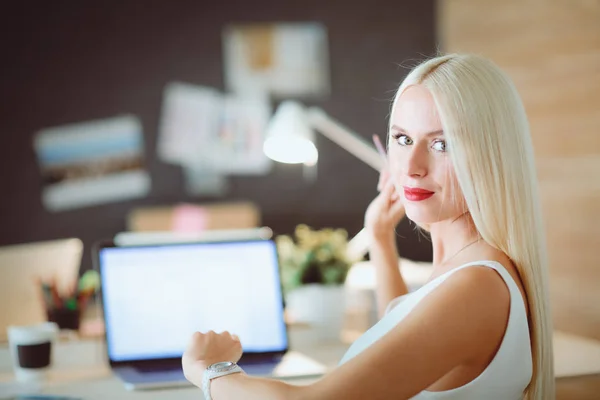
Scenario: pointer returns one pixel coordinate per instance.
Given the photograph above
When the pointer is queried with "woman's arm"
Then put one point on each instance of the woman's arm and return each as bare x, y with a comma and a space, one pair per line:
389, 283
457, 324
382, 216
242, 386
208, 348
454, 325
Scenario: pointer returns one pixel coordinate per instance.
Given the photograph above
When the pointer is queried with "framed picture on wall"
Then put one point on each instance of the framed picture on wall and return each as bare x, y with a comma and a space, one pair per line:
284, 60
90, 163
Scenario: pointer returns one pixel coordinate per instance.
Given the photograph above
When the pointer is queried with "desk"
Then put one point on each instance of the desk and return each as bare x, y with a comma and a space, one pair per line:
81, 370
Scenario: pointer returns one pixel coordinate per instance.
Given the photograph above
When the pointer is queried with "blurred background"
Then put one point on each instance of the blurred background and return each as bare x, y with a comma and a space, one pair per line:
131, 73
68, 63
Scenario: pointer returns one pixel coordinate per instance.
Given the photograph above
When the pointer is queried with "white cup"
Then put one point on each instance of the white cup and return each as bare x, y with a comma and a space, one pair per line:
31, 350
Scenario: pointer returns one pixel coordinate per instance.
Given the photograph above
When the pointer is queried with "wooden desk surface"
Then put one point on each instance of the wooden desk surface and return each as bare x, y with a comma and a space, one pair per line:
80, 368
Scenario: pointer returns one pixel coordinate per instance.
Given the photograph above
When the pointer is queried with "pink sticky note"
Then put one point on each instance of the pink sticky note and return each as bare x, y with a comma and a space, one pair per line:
189, 218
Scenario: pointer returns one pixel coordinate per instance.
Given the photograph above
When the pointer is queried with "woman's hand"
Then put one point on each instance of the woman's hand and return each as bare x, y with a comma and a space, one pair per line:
385, 211
205, 349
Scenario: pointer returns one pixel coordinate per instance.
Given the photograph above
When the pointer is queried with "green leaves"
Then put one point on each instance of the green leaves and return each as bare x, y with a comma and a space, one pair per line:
313, 256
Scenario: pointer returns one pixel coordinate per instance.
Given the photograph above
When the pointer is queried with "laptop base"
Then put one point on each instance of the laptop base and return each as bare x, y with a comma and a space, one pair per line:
293, 365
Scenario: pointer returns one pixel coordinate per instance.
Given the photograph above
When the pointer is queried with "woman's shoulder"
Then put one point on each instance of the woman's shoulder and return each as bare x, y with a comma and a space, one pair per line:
493, 278
478, 283
471, 305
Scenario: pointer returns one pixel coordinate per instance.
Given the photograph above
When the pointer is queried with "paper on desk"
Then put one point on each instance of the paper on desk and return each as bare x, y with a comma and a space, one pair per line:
93, 162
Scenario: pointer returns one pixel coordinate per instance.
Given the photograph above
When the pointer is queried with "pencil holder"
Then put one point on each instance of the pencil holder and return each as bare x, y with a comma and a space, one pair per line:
65, 318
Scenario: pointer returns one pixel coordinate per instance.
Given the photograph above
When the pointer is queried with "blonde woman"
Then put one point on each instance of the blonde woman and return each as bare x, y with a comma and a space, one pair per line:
461, 167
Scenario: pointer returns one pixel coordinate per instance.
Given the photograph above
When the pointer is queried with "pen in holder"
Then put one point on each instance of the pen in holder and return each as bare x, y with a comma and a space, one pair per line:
66, 310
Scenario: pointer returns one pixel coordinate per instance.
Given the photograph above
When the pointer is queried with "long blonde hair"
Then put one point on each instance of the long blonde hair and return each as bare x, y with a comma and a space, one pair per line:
487, 132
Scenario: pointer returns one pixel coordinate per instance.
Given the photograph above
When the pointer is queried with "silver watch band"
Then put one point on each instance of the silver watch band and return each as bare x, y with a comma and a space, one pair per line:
215, 371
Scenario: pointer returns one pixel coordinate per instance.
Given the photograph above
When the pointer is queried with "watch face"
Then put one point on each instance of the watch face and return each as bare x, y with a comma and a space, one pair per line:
220, 366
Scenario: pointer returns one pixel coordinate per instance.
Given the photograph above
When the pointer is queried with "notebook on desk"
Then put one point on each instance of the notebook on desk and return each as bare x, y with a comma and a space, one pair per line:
154, 297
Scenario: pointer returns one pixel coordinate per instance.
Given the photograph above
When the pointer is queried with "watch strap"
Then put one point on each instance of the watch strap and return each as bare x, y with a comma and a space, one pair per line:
210, 375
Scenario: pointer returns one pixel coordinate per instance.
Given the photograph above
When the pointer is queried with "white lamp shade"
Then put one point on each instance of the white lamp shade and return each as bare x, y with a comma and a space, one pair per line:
289, 136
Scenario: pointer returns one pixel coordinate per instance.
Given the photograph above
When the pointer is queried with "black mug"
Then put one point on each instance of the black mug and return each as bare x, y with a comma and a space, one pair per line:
31, 349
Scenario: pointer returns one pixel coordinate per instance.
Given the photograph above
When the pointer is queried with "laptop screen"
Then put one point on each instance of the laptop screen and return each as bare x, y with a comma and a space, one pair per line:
155, 297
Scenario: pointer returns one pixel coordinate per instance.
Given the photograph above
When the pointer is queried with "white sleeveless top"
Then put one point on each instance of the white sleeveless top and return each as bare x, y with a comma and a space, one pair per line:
511, 369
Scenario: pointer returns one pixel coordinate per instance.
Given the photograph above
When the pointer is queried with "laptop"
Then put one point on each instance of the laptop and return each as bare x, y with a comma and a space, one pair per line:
154, 297
21, 268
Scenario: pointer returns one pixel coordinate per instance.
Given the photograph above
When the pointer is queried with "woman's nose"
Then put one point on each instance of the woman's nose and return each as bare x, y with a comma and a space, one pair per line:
416, 163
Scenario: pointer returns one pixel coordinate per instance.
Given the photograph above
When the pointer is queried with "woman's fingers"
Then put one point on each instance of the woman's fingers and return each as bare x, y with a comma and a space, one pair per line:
397, 209
388, 191
383, 179
232, 336
395, 195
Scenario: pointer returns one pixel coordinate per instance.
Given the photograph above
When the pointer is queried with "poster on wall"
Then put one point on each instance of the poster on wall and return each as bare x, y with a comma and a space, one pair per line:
189, 120
212, 135
238, 146
91, 163
284, 60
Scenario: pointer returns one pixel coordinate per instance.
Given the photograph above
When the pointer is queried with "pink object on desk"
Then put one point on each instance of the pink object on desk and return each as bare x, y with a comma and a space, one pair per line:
189, 218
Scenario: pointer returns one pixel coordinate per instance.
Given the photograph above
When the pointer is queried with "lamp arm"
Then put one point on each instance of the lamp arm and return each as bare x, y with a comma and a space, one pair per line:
344, 137
357, 146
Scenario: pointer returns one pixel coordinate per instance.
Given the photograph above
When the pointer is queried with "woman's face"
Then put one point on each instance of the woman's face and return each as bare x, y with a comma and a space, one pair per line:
419, 163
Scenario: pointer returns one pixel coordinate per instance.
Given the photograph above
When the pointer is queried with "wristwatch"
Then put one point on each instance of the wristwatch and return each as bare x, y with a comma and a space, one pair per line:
217, 370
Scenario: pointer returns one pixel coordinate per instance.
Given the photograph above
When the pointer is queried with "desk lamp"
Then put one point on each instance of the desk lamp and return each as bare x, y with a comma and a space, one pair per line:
290, 139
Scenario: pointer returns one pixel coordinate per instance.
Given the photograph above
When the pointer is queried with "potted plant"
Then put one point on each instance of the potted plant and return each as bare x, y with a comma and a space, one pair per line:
314, 265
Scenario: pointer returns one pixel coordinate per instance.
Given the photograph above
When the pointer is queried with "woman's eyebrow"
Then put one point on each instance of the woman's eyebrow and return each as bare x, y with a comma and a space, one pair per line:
432, 133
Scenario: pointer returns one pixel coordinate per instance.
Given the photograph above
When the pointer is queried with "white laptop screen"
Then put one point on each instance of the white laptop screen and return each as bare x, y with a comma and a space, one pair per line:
155, 297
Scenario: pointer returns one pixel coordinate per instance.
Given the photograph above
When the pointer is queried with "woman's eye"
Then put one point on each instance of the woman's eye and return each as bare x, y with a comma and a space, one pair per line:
439, 145
404, 140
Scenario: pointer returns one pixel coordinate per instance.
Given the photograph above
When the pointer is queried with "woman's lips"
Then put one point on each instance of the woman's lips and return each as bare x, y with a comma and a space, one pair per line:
416, 194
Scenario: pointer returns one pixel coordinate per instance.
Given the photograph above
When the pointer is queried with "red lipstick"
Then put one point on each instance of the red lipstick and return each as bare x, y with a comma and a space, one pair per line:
416, 194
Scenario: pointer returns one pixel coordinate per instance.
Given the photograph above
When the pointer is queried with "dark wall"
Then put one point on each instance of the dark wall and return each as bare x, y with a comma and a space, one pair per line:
68, 61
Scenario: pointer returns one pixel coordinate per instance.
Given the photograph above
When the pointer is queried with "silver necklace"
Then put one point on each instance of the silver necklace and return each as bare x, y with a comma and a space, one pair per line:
455, 254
